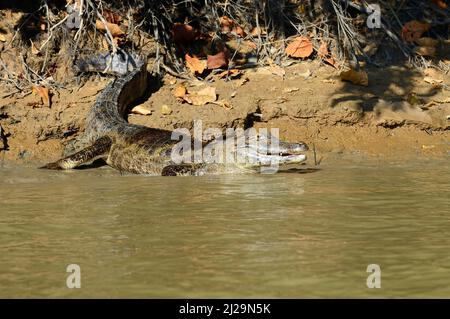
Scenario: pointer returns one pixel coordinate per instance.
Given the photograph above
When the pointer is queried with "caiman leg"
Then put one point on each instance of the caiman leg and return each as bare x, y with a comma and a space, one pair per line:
180, 169
99, 149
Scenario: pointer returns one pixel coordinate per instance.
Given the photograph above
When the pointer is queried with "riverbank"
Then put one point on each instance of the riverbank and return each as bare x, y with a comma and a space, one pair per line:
399, 114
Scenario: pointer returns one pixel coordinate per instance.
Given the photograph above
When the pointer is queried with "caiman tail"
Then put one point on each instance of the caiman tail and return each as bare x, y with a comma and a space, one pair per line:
107, 115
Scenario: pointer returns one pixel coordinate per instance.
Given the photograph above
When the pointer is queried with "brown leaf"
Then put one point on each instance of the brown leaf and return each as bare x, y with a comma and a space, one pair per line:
194, 64
323, 50
44, 93
184, 33
331, 62
440, 3
224, 103
427, 42
413, 30
180, 91
370, 49
432, 81
202, 97
112, 27
226, 24
433, 73
231, 73
425, 51
239, 31
111, 17
300, 47
356, 77
34, 50
257, 31
217, 61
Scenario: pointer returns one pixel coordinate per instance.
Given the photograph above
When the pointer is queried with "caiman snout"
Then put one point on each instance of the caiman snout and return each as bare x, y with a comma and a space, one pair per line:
286, 148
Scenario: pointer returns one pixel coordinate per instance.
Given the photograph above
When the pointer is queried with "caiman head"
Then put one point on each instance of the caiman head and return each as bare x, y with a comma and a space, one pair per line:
254, 154
271, 153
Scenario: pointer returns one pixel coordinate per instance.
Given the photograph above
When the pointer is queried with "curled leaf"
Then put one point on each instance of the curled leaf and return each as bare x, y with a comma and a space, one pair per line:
115, 30
413, 30
194, 64
141, 110
231, 73
323, 50
34, 50
44, 93
180, 91
427, 42
440, 3
425, 51
223, 103
202, 97
217, 61
356, 77
300, 47
184, 33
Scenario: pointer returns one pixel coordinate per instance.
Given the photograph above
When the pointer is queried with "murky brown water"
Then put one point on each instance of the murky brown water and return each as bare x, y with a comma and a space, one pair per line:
284, 235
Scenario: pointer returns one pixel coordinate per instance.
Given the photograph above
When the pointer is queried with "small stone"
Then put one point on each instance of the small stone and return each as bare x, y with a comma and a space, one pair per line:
166, 110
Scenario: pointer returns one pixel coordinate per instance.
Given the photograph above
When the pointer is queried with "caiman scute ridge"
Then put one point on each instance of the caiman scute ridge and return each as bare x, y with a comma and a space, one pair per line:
136, 148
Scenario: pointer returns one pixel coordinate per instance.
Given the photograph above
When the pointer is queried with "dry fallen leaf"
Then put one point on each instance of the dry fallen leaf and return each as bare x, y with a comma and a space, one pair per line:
413, 30
111, 17
242, 81
300, 47
440, 3
140, 110
239, 31
44, 93
370, 49
180, 91
231, 73
257, 31
166, 110
289, 90
202, 97
425, 51
446, 100
217, 61
427, 42
34, 50
356, 77
226, 24
433, 73
432, 81
2, 37
184, 33
331, 62
112, 27
194, 64
323, 50
223, 103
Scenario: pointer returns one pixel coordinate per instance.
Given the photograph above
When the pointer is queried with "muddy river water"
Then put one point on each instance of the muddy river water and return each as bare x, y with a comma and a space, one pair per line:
292, 234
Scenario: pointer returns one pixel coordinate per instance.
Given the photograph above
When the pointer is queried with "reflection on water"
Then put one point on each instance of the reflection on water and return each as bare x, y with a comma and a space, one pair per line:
283, 235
